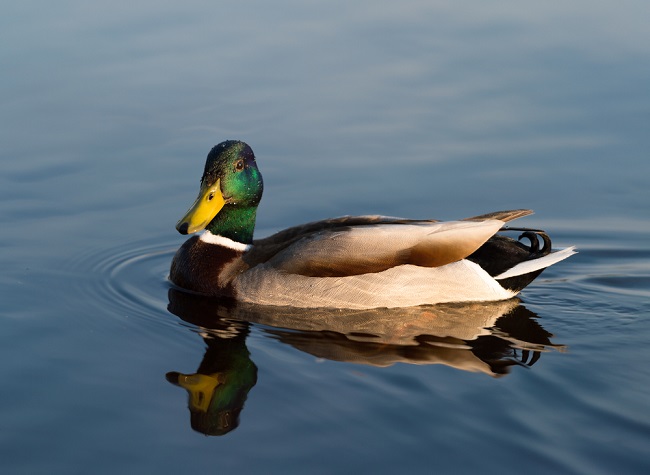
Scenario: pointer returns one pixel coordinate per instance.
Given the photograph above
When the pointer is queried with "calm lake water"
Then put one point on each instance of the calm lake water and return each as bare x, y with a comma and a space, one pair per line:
417, 109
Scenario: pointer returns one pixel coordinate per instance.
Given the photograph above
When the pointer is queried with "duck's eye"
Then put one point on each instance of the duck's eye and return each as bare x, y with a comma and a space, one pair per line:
239, 166
210, 196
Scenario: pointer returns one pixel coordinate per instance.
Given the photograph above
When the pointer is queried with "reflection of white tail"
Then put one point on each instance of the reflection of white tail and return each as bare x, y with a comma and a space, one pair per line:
537, 264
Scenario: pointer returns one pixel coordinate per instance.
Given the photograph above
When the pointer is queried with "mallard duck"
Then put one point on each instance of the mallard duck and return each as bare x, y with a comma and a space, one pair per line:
347, 262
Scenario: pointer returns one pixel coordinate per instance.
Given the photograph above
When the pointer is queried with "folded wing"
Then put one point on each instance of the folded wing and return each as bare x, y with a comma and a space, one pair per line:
367, 249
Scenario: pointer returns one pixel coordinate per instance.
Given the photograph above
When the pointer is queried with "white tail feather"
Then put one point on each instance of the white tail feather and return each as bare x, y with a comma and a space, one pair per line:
537, 264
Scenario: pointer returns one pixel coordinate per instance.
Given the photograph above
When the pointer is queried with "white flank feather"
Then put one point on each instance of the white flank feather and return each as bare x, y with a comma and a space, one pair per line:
402, 286
537, 264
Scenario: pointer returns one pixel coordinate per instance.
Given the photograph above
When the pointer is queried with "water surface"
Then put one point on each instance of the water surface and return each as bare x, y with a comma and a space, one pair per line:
418, 110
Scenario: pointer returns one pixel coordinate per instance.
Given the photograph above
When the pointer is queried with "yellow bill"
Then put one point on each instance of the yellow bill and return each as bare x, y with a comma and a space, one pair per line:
201, 388
207, 206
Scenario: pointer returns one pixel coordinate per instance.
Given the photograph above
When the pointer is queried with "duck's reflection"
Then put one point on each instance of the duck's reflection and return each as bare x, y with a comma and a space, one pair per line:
218, 389
480, 337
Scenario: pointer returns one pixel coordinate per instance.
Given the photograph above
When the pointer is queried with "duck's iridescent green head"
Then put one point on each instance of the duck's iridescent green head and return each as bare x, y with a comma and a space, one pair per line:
231, 189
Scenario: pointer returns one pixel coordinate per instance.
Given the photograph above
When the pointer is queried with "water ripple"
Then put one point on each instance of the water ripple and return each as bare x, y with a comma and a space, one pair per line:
128, 280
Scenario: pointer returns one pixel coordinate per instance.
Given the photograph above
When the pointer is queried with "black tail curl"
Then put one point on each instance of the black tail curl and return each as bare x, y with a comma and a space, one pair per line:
501, 253
533, 236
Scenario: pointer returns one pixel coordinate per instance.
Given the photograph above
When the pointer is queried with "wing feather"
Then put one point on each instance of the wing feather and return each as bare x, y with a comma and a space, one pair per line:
353, 245
369, 249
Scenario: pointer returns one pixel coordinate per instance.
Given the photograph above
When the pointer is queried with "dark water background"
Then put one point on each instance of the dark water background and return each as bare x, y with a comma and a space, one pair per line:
415, 109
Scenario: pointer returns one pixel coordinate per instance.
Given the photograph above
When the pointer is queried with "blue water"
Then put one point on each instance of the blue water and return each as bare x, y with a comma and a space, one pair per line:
422, 109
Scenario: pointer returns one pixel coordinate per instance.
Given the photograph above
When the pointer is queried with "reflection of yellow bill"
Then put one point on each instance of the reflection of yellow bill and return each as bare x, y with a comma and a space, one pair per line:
201, 388
207, 206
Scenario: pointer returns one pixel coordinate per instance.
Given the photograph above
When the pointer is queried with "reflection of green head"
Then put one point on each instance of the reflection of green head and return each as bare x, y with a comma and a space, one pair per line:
218, 391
